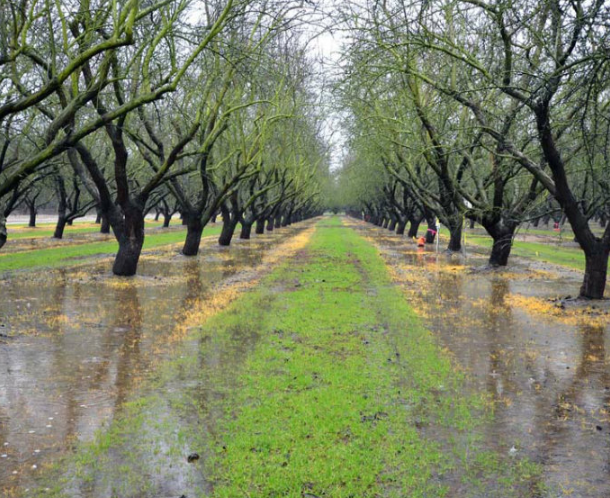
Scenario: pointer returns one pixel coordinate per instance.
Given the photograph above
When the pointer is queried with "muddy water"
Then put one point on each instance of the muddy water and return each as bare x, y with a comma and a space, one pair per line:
76, 342
549, 379
37, 242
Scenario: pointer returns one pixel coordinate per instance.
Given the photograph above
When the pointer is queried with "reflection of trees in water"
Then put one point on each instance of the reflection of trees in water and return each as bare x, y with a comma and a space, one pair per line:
589, 381
194, 282
128, 317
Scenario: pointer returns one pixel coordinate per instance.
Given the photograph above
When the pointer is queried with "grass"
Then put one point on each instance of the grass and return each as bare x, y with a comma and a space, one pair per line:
549, 253
321, 382
17, 232
71, 254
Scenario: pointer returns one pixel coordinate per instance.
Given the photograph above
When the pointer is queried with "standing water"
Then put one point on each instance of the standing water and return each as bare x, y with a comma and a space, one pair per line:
542, 360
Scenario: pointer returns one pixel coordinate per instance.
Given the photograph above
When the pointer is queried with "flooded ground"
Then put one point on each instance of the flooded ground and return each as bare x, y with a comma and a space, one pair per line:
76, 342
546, 369
82, 234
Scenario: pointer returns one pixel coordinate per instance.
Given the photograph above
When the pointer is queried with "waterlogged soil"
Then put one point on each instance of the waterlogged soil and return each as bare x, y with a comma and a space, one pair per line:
77, 235
76, 343
542, 360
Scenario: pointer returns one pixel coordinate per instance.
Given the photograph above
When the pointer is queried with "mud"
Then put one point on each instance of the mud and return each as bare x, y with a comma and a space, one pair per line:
546, 369
77, 342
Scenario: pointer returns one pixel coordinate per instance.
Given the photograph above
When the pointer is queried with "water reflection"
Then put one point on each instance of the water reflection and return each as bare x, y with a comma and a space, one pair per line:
549, 380
82, 341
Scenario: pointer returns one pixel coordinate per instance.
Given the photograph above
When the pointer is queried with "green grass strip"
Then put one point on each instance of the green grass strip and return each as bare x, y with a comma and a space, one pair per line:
549, 253
330, 400
70, 254
18, 232
37, 233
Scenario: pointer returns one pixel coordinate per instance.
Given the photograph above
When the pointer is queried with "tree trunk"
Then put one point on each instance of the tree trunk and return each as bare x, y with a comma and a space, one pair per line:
501, 248
431, 231
157, 214
385, 223
3, 234
596, 272
286, 220
277, 223
228, 229
413, 228
33, 213
392, 225
98, 217
472, 224
270, 224
246, 230
400, 227
194, 230
59, 228
260, 226
167, 218
105, 226
130, 244
70, 223
455, 239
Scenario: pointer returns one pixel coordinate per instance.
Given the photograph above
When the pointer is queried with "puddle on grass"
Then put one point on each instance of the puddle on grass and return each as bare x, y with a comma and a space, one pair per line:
76, 342
547, 373
71, 238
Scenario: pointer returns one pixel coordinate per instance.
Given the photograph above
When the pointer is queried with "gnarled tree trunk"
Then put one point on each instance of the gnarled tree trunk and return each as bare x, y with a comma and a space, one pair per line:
596, 273
455, 238
260, 226
246, 230
131, 239
105, 226
228, 229
194, 230
502, 244
413, 227
60, 227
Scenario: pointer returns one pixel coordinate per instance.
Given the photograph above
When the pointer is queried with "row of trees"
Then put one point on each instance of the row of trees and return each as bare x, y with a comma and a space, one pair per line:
189, 106
496, 111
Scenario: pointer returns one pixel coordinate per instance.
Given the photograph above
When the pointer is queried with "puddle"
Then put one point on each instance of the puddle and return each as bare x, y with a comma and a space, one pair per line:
71, 238
548, 377
77, 342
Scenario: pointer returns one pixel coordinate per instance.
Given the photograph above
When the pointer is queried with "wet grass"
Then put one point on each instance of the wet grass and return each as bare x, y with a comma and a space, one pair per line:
321, 382
549, 253
568, 257
334, 396
71, 254
43, 231
17, 232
